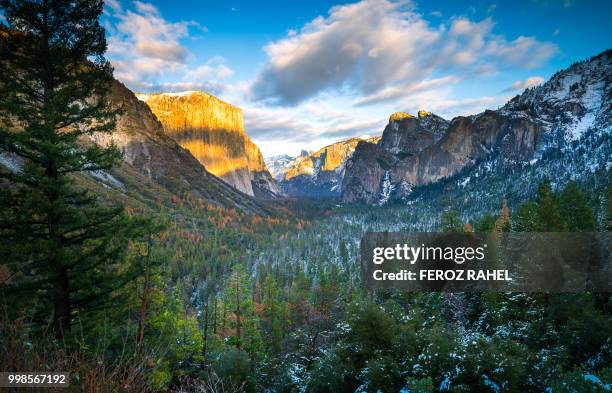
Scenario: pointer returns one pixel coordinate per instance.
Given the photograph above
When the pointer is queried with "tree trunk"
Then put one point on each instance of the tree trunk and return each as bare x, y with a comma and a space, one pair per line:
61, 314
145, 293
238, 327
205, 345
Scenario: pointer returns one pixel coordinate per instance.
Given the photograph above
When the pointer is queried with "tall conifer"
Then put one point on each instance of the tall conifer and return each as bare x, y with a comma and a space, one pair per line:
61, 244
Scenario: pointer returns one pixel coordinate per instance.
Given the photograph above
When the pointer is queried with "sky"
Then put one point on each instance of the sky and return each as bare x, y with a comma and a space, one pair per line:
310, 73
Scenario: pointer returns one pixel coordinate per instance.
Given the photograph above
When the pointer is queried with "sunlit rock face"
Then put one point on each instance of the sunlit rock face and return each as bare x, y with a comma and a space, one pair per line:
213, 131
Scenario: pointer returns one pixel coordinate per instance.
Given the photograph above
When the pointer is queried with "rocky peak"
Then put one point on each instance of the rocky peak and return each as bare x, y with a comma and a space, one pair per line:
406, 134
277, 165
213, 131
423, 113
572, 100
399, 116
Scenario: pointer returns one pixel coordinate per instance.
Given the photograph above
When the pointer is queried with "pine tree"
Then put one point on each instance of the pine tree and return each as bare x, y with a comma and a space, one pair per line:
549, 214
575, 209
451, 222
272, 309
244, 320
486, 223
61, 245
526, 218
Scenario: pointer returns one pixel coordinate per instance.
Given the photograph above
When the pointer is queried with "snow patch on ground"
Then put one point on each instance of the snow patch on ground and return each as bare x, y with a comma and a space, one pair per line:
566, 83
596, 381
581, 126
10, 162
490, 384
445, 384
591, 101
106, 178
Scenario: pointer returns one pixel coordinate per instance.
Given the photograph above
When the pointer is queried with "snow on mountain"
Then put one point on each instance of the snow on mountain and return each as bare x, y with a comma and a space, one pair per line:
573, 100
277, 165
559, 130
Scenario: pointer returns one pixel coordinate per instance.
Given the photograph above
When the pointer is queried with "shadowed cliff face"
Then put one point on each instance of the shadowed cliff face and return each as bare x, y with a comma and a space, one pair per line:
414, 152
213, 131
406, 134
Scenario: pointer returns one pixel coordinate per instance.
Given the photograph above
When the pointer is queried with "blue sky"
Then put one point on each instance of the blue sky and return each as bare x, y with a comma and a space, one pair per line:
309, 73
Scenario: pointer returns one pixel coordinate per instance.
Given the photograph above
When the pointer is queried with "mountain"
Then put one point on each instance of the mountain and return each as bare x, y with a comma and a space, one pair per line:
407, 134
318, 174
157, 167
544, 126
213, 131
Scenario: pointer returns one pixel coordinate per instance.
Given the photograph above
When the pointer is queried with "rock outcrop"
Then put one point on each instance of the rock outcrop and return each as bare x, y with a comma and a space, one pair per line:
406, 134
213, 131
416, 151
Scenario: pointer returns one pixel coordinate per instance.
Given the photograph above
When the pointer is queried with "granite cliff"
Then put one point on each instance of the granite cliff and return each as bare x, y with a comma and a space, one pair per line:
156, 164
543, 122
213, 131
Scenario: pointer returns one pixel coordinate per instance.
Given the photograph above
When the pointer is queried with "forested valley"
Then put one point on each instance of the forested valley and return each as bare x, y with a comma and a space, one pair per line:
224, 300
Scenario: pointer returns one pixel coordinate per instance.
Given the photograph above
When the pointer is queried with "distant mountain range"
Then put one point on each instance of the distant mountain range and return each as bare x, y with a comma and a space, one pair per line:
317, 174
193, 143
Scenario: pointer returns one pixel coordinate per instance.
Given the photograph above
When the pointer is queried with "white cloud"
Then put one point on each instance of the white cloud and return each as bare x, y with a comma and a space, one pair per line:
338, 76
146, 51
378, 45
527, 83
396, 92
310, 126
146, 8
113, 4
209, 71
